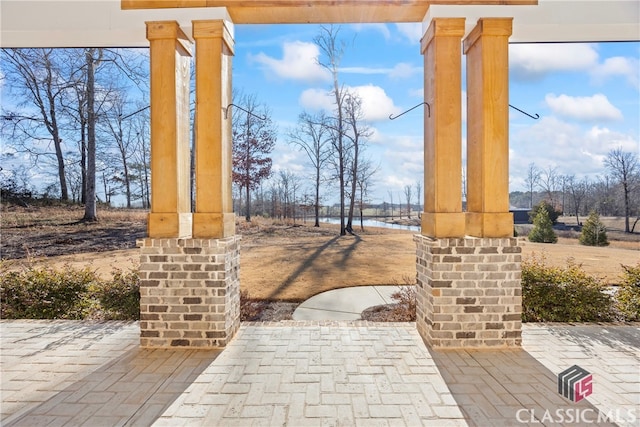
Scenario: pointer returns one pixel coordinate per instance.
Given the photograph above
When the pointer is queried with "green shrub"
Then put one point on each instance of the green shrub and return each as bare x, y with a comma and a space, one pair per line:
628, 295
542, 231
554, 294
120, 297
69, 293
594, 233
552, 212
45, 293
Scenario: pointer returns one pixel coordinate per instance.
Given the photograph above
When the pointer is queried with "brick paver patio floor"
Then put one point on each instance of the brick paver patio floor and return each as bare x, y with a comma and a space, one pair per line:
312, 374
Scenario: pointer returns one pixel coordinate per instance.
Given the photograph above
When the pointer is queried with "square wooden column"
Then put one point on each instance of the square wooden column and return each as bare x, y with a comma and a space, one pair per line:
487, 50
213, 217
441, 47
170, 52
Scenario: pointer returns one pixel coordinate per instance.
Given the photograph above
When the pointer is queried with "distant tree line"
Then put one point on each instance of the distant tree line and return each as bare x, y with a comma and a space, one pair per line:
615, 193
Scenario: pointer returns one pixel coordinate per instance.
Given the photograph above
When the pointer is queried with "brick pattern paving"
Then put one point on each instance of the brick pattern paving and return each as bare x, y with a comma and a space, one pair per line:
189, 292
322, 374
74, 373
310, 374
610, 352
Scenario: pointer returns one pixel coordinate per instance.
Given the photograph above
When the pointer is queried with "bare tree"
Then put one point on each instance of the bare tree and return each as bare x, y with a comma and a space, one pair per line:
124, 138
624, 167
254, 138
93, 57
531, 180
357, 133
407, 194
419, 195
333, 49
391, 197
312, 137
578, 190
548, 182
366, 171
39, 78
464, 185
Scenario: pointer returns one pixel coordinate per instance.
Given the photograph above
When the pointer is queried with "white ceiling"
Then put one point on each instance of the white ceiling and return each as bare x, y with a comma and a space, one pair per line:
86, 23
558, 20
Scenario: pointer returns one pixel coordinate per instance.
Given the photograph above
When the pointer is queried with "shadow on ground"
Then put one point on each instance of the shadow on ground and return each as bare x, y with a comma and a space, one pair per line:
509, 388
134, 389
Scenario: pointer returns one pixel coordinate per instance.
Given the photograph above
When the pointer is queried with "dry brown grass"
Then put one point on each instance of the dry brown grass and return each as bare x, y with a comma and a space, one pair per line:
45, 231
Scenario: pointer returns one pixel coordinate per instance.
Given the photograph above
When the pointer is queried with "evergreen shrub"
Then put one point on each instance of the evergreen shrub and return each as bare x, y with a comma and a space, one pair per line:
594, 233
563, 294
628, 295
542, 231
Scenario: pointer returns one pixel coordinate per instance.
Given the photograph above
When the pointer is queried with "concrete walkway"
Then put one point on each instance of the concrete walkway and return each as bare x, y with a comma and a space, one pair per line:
333, 373
345, 303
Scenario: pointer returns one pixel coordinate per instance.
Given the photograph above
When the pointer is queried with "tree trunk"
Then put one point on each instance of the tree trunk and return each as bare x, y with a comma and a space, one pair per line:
83, 159
248, 215
627, 208
317, 201
64, 194
354, 182
90, 213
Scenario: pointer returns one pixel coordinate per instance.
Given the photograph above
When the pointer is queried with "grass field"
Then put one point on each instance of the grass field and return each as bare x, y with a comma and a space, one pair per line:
279, 260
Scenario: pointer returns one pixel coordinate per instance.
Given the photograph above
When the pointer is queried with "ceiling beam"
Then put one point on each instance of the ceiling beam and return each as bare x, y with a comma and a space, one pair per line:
318, 11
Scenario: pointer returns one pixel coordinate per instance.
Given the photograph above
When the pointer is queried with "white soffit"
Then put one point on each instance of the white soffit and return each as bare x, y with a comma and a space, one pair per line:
87, 23
556, 20
90, 23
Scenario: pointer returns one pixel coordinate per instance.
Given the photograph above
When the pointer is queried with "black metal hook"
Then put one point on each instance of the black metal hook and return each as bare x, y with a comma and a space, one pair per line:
391, 117
536, 117
226, 112
134, 113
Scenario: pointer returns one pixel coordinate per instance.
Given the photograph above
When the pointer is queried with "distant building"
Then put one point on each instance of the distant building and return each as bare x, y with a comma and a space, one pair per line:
520, 215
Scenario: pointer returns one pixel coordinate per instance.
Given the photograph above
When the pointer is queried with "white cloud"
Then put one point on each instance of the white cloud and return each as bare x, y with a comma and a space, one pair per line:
574, 150
534, 61
376, 104
404, 70
416, 93
401, 70
464, 106
317, 99
299, 62
583, 108
412, 31
381, 28
627, 68
402, 164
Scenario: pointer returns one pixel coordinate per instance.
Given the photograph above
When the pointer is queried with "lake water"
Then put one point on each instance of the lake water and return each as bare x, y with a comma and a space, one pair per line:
371, 223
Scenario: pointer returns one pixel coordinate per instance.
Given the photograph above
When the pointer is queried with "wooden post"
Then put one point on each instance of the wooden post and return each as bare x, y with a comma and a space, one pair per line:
441, 47
213, 217
487, 50
170, 52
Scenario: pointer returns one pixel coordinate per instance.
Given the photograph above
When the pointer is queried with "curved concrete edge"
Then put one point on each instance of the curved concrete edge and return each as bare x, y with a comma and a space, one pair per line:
345, 303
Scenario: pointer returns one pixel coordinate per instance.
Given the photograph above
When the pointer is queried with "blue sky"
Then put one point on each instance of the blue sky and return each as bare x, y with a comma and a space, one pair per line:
587, 96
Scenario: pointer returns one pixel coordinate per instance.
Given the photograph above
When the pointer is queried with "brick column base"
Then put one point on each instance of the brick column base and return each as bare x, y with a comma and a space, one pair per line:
189, 292
469, 292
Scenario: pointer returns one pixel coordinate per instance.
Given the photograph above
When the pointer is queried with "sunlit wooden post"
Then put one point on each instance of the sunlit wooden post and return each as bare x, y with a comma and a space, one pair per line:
189, 284
441, 47
213, 217
468, 285
487, 49
170, 53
